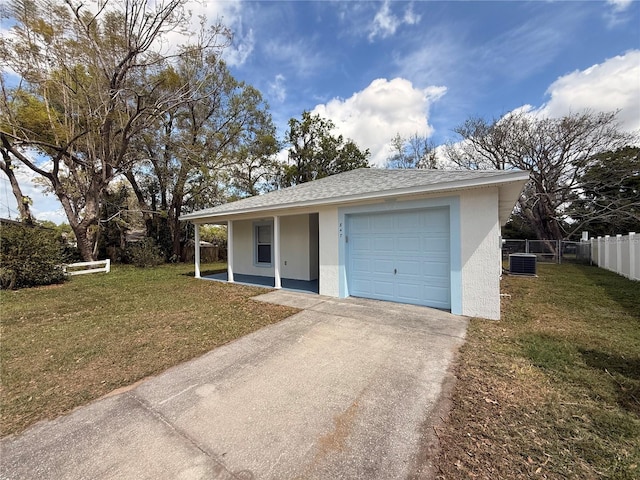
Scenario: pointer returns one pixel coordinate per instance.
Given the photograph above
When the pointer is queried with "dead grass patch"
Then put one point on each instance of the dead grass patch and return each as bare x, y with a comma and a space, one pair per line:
65, 346
553, 389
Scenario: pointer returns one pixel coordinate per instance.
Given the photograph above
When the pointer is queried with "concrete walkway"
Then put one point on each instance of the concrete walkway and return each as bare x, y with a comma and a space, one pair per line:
344, 389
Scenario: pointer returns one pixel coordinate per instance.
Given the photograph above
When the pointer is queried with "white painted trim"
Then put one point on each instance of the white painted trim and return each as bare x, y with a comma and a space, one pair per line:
230, 251
633, 275
276, 251
197, 250
255, 225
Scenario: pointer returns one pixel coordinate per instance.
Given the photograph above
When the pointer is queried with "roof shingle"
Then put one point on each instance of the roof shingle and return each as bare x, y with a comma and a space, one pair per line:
355, 183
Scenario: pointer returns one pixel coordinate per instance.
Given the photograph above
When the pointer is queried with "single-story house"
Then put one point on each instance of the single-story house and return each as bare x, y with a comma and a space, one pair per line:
425, 237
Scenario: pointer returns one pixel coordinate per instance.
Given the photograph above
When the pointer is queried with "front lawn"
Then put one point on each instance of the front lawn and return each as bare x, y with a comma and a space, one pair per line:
553, 390
65, 345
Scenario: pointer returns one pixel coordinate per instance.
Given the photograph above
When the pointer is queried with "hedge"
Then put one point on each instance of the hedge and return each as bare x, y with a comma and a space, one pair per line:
29, 256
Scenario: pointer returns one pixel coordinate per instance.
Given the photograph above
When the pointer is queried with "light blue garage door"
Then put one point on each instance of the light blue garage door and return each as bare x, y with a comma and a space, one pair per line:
401, 256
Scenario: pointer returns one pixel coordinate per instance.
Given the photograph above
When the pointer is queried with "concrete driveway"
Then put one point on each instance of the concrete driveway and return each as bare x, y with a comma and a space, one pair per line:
344, 389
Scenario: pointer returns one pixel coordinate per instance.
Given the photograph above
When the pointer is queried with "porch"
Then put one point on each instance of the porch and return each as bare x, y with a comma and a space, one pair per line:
310, 286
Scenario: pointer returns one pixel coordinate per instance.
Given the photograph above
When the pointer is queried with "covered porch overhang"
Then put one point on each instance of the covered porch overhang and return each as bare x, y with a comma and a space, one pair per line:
273, 279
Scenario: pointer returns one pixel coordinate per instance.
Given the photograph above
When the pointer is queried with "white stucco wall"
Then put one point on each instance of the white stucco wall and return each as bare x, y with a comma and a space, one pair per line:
479, 232
243, 253
328, 244
480, 255
294, 248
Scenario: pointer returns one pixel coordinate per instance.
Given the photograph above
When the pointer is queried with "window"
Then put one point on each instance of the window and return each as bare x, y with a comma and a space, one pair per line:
263, 240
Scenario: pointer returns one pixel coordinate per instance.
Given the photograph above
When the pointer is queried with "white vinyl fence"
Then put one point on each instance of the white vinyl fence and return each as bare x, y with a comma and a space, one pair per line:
81, 268
620, 254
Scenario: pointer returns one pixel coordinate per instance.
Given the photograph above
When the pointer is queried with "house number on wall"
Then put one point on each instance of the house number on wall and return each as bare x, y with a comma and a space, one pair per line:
340, 229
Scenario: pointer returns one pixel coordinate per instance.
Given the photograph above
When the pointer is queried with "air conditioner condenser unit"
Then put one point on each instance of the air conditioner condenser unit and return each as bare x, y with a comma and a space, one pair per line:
522, 264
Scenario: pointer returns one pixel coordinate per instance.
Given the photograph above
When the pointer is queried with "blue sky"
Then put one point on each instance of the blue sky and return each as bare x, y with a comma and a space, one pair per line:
456, 59
381, 68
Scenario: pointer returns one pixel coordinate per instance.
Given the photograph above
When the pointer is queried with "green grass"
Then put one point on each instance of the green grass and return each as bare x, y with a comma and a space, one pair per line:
552, 390
65, 345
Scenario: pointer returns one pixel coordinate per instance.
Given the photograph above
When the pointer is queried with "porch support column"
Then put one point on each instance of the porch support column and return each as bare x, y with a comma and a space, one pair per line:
197, 249
230, 251
276, 251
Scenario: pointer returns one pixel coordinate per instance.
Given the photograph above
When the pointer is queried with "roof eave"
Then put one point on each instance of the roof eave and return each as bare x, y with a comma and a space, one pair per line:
497, 180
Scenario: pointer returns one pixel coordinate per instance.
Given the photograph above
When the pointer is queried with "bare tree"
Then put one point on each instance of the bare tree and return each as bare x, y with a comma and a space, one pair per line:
412, 152
198, 147
88, 82
556, 151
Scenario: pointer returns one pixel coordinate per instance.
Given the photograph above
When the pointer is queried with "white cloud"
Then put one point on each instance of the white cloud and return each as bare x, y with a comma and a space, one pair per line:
611, 85
240, 49
617, 15
620, 5
277, 88
411, 18
373, 116
385, 23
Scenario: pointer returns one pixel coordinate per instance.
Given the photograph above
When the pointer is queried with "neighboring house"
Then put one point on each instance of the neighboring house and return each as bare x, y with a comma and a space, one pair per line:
426, 237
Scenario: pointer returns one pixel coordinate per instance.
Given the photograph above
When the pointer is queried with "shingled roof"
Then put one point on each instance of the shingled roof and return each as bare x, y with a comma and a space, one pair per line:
359, 184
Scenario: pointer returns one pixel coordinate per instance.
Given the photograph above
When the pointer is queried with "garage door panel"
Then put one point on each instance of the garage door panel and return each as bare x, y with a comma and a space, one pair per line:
407, 267
360, 285
383, 244
360, 224
360, 244
413, 244
437, 245
409, 243
435, 269
382, 266
409, 292
433, 283
381, 223
437, 294
408, 222
437, 220
361, 265
384, 288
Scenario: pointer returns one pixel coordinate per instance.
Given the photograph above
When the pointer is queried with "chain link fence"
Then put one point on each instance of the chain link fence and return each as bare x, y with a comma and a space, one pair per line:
549, 251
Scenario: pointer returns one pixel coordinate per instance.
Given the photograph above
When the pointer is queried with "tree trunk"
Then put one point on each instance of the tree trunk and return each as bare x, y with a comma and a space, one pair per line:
24, 208
82, 229
174, 225
85, 243
175, 209
147, 217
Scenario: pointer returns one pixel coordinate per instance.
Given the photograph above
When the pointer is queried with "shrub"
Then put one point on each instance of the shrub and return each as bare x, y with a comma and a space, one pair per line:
29, 256
145, 253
